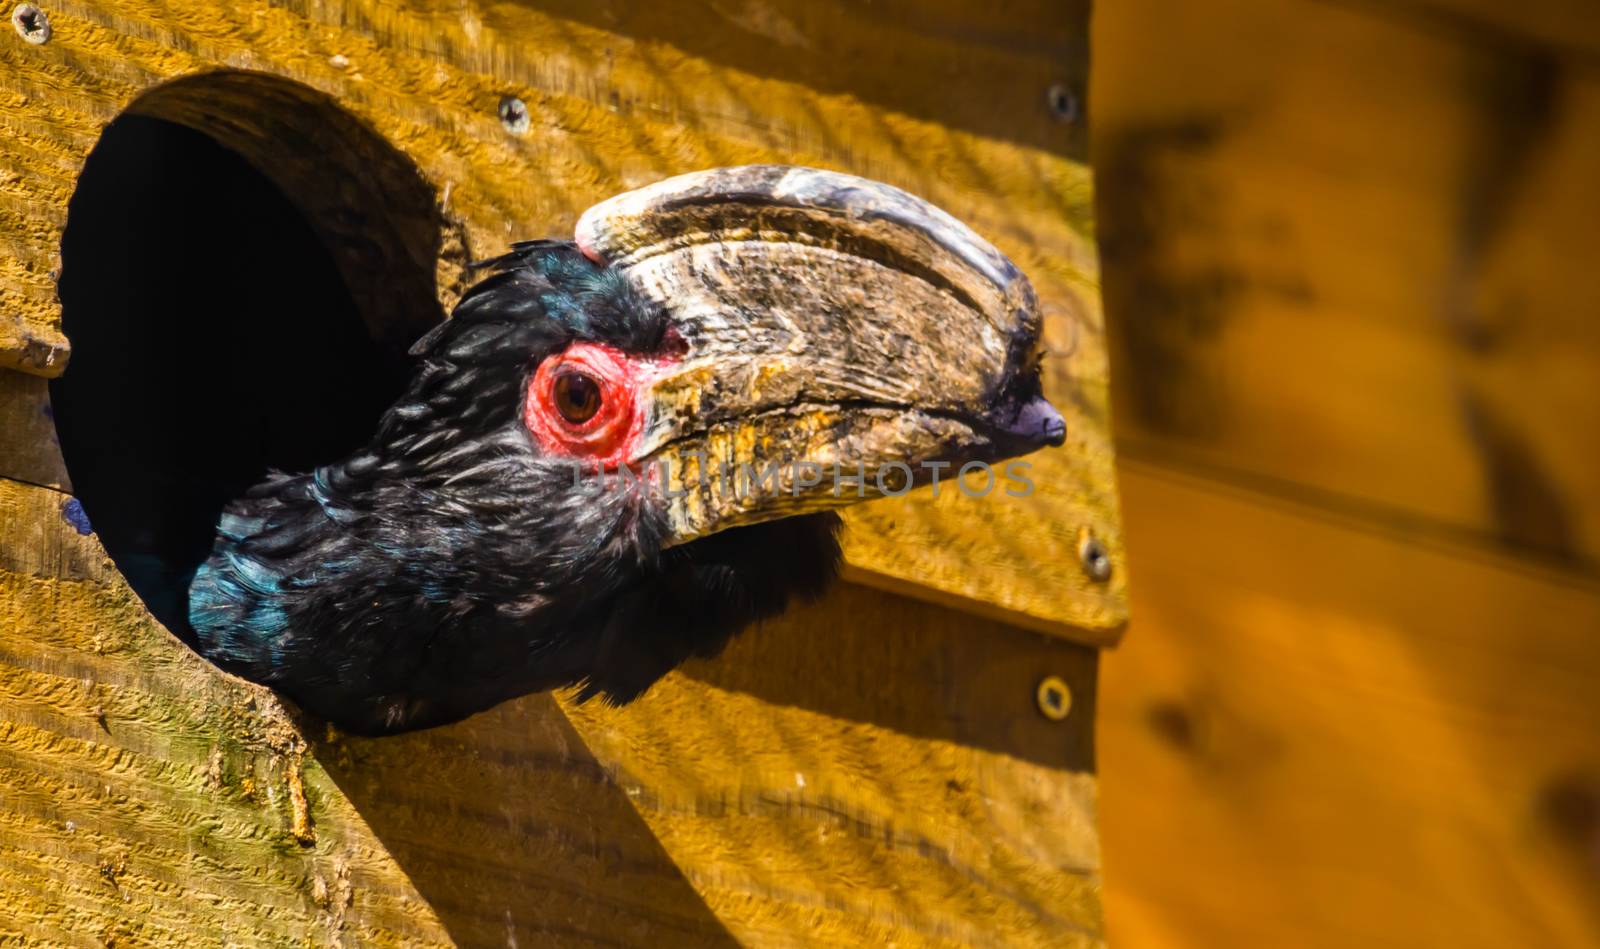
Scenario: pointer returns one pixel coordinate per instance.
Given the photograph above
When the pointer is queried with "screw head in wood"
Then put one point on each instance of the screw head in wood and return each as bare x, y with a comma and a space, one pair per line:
1062, 102
1094, 557
514, 115
1054, 698
31, 23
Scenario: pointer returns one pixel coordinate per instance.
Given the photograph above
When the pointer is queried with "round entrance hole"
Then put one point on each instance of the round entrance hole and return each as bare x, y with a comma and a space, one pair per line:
243, 267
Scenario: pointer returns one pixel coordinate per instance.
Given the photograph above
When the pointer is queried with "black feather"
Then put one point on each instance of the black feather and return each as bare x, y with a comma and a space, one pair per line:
447, 566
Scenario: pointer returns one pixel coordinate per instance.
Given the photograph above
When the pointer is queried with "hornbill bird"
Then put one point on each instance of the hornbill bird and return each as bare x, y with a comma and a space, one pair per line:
548, 504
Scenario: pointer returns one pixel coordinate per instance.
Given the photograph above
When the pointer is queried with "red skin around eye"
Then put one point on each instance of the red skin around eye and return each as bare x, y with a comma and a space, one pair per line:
609, 438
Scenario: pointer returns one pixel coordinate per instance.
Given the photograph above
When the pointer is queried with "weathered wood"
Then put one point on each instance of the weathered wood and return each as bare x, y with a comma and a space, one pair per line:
869, 768
36, 350
612, 104
28, 448
926, 549
1356, 262
148, 798
1014, 50
764, 773
1373, 740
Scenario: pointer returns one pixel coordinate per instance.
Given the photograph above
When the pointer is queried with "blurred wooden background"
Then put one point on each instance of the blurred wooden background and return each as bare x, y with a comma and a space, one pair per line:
1349, 257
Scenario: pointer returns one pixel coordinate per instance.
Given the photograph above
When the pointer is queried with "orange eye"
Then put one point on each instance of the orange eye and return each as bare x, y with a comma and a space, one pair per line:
577, 397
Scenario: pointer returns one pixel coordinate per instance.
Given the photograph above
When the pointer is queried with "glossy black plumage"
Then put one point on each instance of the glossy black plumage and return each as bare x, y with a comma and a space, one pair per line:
449, 566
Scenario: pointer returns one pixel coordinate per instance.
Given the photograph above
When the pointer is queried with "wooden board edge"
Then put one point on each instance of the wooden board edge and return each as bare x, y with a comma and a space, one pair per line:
1098, 637
32, 349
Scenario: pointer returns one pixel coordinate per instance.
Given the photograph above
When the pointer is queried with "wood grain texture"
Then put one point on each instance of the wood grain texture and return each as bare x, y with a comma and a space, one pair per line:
28, 448
867, 769
26, 347
1347, 279
870, 769
147, 797
766, 772
1354, 263
617, 98
1372, 741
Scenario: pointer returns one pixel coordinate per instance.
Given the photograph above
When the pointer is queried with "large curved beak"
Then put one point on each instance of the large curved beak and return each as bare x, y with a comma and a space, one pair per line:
843, 338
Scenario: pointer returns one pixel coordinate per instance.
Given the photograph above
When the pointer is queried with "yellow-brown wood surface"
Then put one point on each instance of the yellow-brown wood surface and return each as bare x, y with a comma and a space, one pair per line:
949, 103
1349, 252
871, 769
868, 769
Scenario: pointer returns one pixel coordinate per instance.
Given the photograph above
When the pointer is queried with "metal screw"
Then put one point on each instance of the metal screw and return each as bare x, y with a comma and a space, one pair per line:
1093, 556
31, 24
514, 115
1063, 102
1054, 698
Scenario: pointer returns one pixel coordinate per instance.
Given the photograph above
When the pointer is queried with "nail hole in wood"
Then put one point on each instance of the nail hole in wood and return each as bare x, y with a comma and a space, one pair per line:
1062, 102
1093, 557
31, 23
514, 115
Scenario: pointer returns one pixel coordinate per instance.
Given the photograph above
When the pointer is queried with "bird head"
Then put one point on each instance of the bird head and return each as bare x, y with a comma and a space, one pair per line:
621, 450
767, 320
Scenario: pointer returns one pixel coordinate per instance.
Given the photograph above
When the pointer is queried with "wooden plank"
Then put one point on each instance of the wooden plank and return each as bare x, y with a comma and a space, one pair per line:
616, 105
27, 347
1021, 47
1372, 742
1354, 263
869, 768
146, 796
28, 448
1561, 29
872, 770
36, 543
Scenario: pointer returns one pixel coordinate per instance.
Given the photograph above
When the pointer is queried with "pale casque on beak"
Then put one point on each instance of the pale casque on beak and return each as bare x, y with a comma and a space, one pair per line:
829, 321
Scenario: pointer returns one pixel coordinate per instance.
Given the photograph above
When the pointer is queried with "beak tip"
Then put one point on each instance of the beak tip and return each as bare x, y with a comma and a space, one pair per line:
1037, 421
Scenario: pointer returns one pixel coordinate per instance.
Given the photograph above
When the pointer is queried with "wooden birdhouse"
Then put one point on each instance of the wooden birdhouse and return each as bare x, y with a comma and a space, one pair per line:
223, 225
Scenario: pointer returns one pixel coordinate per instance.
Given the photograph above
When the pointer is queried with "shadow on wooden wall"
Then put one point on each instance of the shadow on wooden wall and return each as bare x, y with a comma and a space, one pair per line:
870, 769
509, 828
483, 814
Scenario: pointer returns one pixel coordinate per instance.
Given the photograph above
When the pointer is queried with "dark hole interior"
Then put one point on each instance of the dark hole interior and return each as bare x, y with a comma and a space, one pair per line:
213, 338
